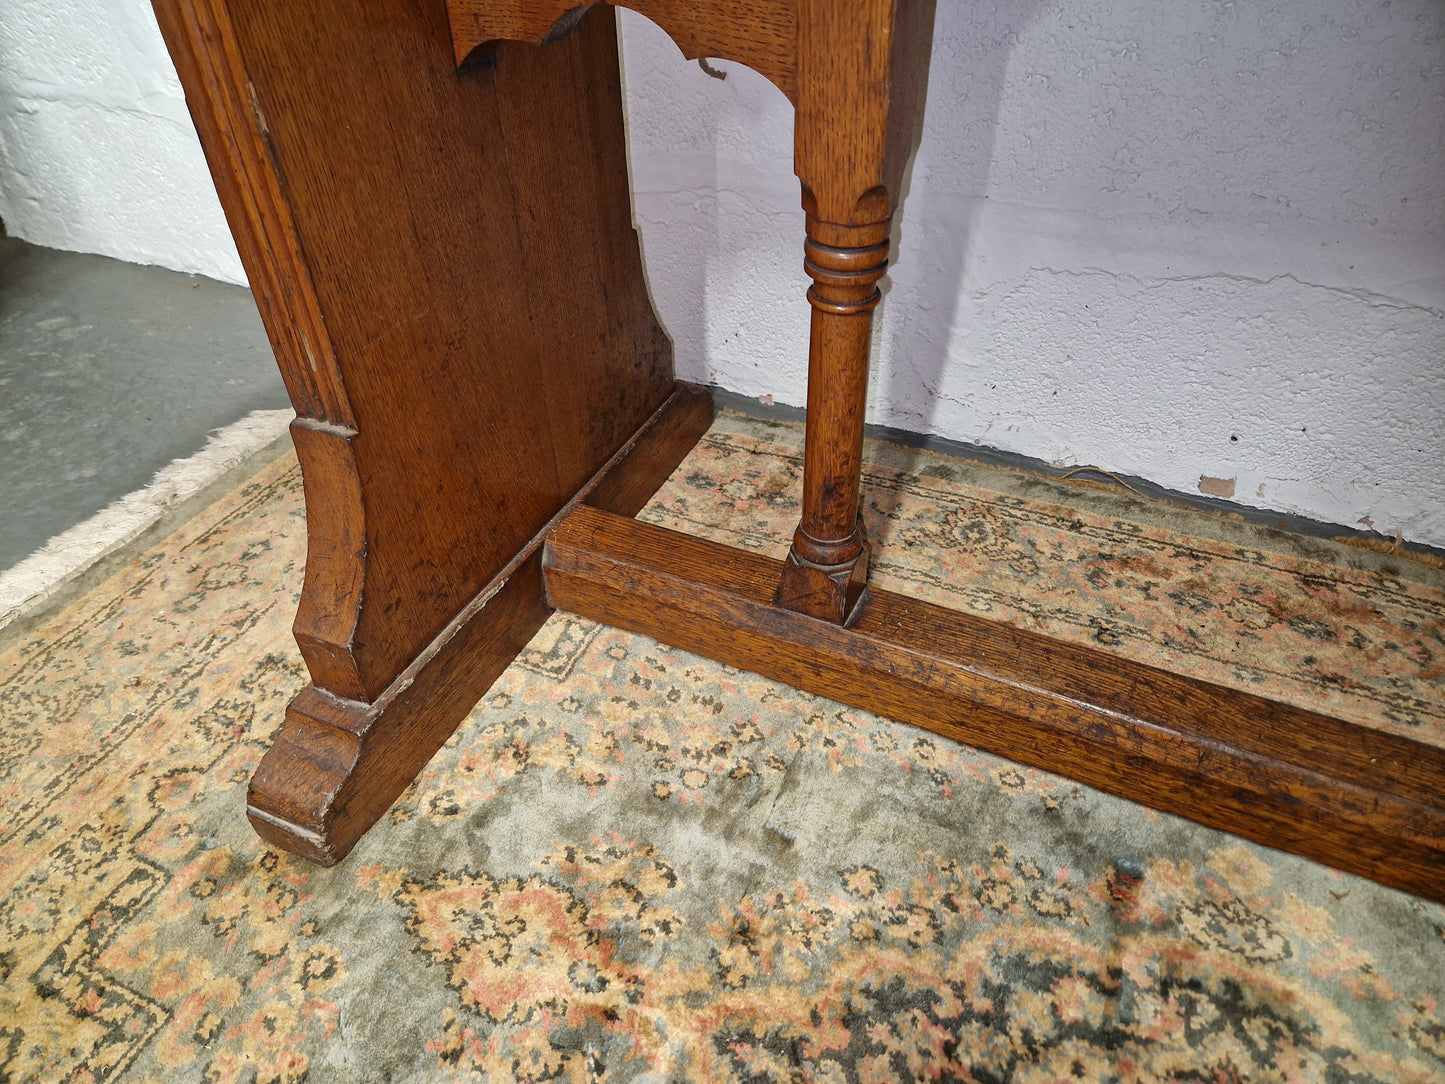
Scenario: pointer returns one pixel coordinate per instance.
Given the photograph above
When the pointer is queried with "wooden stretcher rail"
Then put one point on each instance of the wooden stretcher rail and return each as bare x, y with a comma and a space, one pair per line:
1351, 797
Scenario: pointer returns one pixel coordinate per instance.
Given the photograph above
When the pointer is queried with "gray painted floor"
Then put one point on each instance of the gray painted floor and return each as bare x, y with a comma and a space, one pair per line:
109, 371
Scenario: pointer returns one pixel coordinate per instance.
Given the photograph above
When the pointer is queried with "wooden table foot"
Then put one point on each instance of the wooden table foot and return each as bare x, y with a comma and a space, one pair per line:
832, 592
340, 763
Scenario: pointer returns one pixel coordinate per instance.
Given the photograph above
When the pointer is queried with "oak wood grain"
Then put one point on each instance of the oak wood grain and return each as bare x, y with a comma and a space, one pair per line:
203, 45
1348, 796
447, 266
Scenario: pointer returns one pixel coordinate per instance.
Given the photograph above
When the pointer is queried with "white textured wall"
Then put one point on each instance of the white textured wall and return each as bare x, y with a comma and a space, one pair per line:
97, 151
1174, 240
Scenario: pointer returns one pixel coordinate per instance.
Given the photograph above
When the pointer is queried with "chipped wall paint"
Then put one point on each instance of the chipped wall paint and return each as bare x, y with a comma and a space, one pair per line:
1190, 241
1218, 487
1202, 239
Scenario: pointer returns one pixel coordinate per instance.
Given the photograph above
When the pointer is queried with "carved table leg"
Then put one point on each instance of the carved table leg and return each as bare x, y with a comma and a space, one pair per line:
827, 566
858, 114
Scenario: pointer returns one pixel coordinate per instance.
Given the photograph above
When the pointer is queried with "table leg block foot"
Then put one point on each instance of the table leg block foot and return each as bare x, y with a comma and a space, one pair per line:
832, 593
339, 763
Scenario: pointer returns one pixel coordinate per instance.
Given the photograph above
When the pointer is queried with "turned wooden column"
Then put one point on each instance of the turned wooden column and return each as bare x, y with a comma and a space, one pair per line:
860, 86
827, 566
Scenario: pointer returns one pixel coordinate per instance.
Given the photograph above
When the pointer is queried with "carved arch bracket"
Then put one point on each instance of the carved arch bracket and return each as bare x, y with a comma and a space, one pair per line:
759, 34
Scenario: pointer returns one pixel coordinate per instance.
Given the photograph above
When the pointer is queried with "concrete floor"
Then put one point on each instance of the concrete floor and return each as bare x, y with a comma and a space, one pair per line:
109, 371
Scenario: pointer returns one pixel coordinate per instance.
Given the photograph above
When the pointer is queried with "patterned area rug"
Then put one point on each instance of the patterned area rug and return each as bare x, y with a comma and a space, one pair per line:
632, 864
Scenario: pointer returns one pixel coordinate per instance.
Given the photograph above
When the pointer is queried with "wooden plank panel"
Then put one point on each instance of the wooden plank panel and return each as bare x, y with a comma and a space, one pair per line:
447, 266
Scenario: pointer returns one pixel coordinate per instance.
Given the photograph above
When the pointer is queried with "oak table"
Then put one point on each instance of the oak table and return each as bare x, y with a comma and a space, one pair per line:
430, 198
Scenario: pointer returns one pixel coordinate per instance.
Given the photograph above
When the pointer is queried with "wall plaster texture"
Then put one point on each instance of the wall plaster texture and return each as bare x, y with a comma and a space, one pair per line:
1192, 242
97, 150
